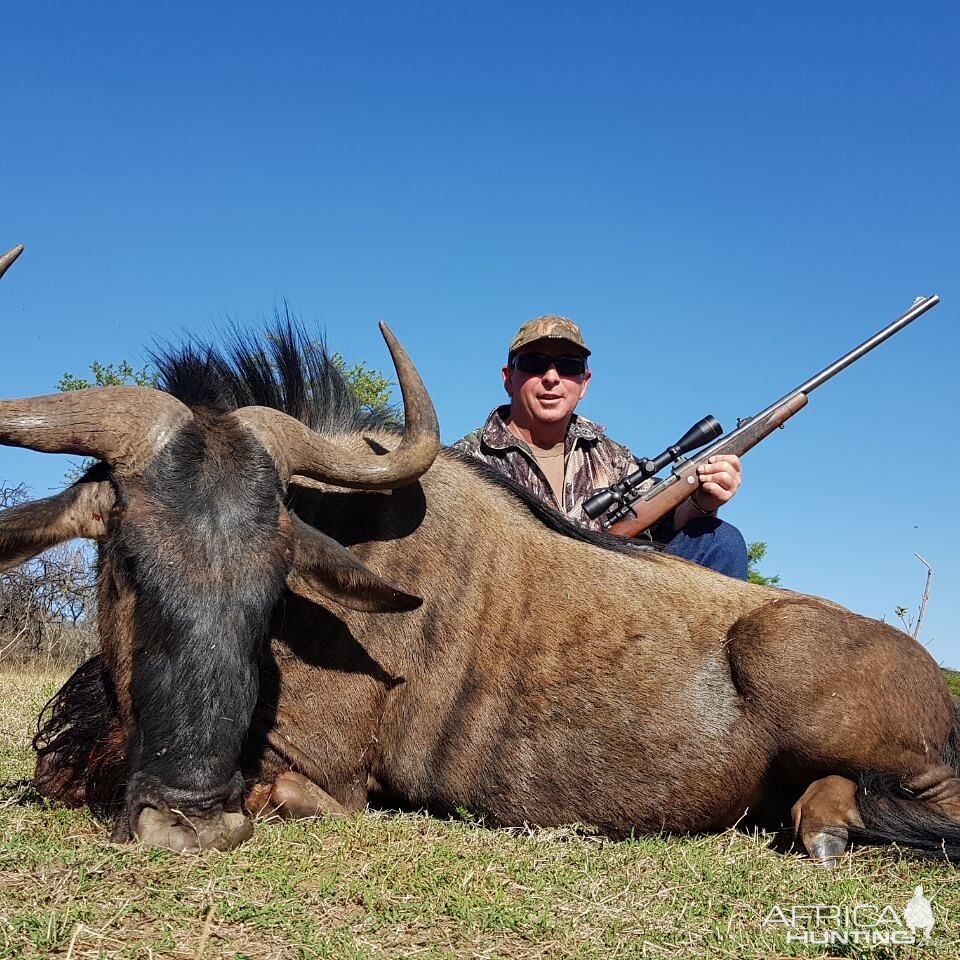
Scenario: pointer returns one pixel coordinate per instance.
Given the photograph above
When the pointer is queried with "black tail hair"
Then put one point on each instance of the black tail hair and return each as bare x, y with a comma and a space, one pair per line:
951, 752
891, 814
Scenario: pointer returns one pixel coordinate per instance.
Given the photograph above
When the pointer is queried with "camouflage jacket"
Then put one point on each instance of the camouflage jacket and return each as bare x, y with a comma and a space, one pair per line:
592, 461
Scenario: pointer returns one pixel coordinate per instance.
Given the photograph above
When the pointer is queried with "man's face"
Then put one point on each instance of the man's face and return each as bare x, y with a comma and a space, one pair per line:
545, 398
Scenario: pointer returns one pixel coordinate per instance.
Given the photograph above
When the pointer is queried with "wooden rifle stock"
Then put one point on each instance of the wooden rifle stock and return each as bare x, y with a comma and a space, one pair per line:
670, 492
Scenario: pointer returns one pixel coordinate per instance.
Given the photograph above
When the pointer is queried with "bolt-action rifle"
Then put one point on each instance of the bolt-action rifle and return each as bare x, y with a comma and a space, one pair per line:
631, 511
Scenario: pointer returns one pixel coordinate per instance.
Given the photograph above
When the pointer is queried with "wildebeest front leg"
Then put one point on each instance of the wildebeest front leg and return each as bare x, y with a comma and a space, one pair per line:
295, 796
821, 818
292, 796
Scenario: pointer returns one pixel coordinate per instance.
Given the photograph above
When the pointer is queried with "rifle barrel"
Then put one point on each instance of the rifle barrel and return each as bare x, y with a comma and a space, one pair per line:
790, 404
920, 306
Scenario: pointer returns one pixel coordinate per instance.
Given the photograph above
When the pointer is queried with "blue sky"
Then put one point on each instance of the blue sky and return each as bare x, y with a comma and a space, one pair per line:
725, 197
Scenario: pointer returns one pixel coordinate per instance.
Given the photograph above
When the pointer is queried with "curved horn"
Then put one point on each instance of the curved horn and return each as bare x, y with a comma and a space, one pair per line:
297, 449
125, 426
9, 257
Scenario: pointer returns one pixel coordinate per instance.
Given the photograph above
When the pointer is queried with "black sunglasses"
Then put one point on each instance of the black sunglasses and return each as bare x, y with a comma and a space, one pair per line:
540, 363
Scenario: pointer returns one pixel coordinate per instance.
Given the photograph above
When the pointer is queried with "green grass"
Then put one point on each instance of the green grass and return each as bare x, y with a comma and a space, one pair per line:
385, 885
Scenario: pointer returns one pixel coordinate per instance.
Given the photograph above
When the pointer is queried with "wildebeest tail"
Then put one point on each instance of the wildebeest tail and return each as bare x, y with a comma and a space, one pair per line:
80, 743
951, 752
892, 814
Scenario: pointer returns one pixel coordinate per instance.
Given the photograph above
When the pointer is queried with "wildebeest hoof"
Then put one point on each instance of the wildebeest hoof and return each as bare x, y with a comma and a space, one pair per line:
295, 796
181, 833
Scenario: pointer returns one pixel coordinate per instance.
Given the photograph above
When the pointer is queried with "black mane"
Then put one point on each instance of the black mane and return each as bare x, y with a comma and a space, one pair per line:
281, 367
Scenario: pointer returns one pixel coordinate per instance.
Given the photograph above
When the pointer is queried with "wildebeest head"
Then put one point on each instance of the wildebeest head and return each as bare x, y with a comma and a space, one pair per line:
196, 547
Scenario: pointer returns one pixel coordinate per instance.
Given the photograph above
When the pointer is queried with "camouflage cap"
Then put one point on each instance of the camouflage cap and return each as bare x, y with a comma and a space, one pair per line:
549, 327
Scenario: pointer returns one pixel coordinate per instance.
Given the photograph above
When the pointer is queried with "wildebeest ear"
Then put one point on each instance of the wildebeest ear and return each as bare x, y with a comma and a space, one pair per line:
326, 570
30, 528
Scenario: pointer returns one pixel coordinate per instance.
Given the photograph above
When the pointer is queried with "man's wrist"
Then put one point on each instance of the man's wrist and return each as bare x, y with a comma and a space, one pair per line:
699, 507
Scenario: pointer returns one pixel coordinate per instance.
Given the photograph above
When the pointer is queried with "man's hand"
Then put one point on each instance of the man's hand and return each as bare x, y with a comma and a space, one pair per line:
720, 479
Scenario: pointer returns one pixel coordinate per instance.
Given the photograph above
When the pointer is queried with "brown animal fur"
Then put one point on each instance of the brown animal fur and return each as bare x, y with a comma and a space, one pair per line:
548, 681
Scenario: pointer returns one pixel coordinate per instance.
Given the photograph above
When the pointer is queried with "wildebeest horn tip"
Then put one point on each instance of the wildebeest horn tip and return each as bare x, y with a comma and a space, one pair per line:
9, 257
296, 449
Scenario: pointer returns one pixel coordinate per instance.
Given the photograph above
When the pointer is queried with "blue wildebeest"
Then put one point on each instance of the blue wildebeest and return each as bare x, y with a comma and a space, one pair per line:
301, 610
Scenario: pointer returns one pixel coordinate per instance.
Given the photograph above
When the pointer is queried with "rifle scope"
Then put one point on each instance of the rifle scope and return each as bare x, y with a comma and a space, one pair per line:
700, 433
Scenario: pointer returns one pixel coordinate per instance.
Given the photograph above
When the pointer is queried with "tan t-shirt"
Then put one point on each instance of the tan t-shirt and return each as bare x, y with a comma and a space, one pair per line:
551, 462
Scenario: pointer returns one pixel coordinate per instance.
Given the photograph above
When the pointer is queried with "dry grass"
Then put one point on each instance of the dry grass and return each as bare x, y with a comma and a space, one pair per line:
384, 885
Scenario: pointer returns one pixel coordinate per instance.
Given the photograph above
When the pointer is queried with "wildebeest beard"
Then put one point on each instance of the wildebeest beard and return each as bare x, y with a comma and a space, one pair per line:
203, 552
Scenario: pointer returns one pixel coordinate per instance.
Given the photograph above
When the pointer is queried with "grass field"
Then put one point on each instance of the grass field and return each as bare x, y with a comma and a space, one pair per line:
386, 885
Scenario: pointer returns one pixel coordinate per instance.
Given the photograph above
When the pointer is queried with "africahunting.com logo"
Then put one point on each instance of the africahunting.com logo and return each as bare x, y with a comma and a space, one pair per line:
866, 924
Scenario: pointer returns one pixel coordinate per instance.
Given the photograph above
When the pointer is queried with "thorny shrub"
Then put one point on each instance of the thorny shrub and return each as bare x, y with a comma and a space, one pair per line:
47, 605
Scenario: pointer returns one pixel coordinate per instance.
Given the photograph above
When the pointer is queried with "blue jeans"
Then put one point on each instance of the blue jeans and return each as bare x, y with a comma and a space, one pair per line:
712, 543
